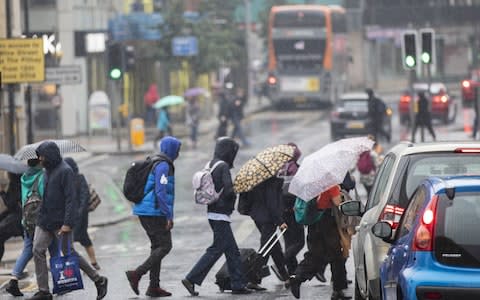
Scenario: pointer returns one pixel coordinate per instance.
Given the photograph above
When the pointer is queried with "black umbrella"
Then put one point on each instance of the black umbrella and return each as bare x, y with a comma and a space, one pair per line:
65, 146
10, 164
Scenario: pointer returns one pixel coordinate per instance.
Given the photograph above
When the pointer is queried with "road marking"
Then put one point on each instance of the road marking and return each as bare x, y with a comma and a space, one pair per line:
93, 160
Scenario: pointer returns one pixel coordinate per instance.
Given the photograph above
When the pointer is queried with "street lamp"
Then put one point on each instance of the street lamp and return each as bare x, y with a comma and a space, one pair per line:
247, 44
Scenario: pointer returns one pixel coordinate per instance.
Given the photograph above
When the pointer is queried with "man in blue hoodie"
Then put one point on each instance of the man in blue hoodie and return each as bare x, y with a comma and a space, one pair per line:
155, 212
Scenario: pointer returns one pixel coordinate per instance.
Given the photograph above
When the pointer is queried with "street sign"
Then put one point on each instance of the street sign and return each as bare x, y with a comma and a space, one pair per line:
185, 46
21, 60
64, 75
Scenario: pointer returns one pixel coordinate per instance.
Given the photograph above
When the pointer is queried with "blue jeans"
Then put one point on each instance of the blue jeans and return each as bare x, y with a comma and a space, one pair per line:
27, 254
223, 243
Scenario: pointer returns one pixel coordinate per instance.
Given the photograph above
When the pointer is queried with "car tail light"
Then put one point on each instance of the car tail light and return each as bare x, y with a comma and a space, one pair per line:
467, 150
432, 296
405, 98
423, 240
272, 80
439, 98
392, 215
466, 84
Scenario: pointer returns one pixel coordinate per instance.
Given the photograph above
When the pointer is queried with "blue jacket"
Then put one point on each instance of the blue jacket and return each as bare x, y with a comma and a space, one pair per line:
58, 207
159, 190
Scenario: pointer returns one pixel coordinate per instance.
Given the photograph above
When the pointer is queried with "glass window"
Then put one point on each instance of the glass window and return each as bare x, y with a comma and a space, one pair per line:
355, 105
410, 215
381, 180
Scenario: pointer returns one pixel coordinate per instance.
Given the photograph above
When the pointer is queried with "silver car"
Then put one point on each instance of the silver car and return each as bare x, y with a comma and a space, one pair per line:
404, 166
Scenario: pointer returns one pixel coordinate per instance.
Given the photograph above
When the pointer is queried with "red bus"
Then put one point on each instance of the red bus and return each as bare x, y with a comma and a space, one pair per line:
307, 54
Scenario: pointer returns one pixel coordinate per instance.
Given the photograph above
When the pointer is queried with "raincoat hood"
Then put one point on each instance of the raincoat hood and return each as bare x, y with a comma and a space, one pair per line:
170, 146
226, 149
51, 152
71, 162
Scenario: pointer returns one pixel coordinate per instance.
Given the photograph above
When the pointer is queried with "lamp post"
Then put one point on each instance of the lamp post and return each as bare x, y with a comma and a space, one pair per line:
247, 44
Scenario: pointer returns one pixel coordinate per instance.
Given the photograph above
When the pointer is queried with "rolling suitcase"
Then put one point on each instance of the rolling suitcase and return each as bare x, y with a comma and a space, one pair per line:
251, 262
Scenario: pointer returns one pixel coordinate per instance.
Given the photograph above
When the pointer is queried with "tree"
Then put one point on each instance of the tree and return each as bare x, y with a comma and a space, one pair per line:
263, 17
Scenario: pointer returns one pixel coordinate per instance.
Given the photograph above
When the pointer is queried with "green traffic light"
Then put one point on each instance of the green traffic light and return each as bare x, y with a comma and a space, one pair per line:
425, 57
410, 61
115, 73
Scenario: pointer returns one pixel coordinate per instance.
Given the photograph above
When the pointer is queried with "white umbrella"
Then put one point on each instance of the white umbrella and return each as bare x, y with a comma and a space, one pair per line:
65, 146
327, 167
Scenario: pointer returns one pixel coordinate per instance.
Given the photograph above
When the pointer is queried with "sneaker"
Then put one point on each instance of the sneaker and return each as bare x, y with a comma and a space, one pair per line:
277, 272
12, 288
157, 292
321, 277
340, 295
243, 291
255, 287
102, 285
133, 278
41, 295
190, 287
295, 287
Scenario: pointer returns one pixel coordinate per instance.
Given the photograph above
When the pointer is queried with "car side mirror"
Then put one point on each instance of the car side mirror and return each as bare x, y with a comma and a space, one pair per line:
351, 208
383, 230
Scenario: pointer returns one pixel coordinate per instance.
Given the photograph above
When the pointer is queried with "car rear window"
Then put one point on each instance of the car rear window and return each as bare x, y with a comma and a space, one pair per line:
355, 105
457, 242
422, 165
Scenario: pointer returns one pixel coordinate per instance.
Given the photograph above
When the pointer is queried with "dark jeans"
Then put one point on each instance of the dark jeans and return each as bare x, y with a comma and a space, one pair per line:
324, 247
161, 244
238, 130
223, 243
422, 124
294, 239
266, 232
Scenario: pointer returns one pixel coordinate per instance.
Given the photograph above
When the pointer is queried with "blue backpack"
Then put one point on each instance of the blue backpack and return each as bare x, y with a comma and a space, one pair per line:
306, 212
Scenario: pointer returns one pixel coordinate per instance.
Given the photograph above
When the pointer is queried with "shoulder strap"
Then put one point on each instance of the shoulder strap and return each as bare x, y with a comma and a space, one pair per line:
215, 165
35, 185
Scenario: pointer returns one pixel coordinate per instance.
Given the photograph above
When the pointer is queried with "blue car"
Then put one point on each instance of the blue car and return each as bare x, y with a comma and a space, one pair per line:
435, 252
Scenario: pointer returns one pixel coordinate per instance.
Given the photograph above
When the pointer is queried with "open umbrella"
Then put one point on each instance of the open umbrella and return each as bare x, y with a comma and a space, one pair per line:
264, 165
10, 164
193, 92
327, 167
65, 146
168, 101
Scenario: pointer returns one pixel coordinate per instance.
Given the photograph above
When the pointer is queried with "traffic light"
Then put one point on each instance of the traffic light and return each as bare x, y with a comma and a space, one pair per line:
129, 58
409, 50
115, 61
428, 44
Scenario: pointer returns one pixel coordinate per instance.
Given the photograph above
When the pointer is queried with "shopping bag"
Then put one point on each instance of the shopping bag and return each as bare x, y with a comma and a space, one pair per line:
94, 200
65, 270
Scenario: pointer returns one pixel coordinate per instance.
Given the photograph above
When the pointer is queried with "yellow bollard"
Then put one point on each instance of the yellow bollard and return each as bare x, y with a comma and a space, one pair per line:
137, 132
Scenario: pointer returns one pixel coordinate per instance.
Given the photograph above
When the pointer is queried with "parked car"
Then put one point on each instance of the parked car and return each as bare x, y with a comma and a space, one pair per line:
349, 116
435, 253
403, 168
468, 88
442, 107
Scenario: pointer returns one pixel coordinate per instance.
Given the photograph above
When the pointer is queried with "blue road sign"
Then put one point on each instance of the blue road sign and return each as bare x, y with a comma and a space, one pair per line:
185, 46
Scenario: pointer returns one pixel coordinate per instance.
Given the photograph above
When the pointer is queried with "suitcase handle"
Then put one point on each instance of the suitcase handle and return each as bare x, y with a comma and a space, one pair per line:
264, 250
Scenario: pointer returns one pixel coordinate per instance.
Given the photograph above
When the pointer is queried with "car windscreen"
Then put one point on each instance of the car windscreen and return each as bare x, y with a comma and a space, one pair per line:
457, 242
355, 104
419, 166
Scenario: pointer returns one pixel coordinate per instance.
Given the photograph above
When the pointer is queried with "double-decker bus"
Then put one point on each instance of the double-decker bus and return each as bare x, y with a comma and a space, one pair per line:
307, 54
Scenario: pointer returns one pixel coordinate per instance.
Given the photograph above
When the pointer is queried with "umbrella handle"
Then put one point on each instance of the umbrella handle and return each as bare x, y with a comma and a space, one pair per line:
265, 253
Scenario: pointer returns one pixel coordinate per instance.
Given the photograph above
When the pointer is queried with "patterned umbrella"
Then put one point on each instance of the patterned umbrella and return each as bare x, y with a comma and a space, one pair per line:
327, 167
10, 164
65, 146
264, 165
168, 101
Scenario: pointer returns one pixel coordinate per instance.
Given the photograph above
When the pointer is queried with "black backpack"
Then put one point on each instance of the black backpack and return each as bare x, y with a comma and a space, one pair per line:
137, 174
31, 208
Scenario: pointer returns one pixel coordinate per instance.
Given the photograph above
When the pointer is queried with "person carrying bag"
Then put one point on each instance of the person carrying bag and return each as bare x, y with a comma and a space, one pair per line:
65, 269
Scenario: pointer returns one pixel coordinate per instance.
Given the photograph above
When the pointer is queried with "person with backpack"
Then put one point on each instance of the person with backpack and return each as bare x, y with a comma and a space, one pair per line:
56, 219
367, 166
294, 237
155, 211
376, 114
324, 246
32, 190
218, 214
80, 232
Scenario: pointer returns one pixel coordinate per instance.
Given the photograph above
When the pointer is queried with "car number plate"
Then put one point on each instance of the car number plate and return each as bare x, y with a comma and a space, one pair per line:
355, 125
299, 99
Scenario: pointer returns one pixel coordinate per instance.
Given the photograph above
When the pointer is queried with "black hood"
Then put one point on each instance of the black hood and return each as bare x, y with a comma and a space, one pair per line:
226, 149
71, 162
51, 152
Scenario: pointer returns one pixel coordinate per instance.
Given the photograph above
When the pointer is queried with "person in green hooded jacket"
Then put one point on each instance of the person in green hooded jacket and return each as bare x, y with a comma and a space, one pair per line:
28, 179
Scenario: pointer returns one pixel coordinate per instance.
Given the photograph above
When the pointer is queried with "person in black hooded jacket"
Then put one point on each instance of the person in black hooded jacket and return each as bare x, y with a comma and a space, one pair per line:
10, 221
56, 218
219, 218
